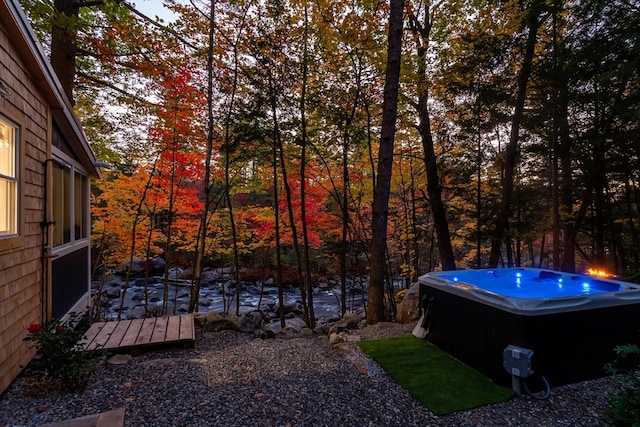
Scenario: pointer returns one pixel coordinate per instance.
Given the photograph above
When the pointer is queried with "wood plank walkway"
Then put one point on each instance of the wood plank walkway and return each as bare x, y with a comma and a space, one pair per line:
137, 333
113, 418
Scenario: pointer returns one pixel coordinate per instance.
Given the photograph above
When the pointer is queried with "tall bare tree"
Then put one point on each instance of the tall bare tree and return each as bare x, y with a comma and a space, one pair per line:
534, 18
376, 307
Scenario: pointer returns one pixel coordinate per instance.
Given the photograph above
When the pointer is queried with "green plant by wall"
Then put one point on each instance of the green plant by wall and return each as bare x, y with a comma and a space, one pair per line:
59, 355
625, 402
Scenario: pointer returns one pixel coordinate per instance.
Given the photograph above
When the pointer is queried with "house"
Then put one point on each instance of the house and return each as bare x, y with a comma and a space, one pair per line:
46, 166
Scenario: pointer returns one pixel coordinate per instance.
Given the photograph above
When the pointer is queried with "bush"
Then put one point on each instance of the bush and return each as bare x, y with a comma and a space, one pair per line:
59, 355
625, 403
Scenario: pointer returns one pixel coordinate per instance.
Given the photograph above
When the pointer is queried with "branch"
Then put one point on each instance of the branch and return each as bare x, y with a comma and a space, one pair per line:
121, 91
159, 25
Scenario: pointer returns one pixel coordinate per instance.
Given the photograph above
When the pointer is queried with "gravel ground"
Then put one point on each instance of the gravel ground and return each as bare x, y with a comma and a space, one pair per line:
230, 379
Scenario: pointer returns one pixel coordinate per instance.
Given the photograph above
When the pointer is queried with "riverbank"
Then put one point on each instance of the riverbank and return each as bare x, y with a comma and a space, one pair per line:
231, 379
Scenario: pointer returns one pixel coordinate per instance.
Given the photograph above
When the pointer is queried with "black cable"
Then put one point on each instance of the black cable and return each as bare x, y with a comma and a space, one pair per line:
545, 396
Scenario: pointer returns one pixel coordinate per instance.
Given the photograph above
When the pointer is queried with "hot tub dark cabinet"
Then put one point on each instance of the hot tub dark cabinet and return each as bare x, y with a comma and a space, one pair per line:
570, 344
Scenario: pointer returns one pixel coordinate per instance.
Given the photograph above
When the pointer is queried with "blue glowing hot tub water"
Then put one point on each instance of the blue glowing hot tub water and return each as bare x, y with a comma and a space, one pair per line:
572, 322
519, 283
531, 290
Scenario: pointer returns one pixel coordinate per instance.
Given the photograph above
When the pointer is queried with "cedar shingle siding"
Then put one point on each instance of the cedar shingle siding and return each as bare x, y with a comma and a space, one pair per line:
32, 103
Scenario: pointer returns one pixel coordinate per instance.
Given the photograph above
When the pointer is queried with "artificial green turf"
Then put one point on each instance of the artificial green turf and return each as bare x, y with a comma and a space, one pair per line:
442, 383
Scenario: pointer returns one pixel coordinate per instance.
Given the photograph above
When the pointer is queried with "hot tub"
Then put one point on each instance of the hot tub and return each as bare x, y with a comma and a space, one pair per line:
572, 322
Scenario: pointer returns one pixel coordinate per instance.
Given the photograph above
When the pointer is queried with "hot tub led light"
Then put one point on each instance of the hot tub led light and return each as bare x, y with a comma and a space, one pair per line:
586, 287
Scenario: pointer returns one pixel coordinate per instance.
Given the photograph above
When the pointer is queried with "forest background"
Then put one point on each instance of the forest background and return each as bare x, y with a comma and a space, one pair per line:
248, 134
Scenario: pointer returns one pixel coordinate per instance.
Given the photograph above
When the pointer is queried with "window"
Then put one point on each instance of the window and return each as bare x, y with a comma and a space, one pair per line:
80, 203
8, 179
61, 205
70, 205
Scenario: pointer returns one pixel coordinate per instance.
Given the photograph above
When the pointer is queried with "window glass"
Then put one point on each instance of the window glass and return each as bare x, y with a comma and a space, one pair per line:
61, 205
80, 205
8, 179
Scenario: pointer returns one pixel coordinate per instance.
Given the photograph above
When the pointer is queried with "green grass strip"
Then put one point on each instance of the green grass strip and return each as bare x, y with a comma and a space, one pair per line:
440, 382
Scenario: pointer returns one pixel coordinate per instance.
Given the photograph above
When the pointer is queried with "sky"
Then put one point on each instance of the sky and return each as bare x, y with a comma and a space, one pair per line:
153, 8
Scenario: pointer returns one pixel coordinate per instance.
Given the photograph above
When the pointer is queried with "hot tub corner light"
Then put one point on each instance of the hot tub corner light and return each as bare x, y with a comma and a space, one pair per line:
455, 279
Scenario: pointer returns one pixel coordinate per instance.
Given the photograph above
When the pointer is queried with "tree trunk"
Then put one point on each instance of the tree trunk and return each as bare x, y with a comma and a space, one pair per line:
276, 214
421, 32
63, 44
376, 309
303, 180
202, 230
511, 151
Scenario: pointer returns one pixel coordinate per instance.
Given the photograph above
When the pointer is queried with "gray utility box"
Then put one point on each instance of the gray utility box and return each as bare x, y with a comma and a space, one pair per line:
517, 361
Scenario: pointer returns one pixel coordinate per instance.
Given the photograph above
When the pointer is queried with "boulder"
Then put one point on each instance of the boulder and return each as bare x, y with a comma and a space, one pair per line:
258, 321
289, 307
408, 310
176, 273
336, 338
243, 323
113, 292
157, 265
216, 323
293, 325
199, 319
261, 334
209, 276
348, 321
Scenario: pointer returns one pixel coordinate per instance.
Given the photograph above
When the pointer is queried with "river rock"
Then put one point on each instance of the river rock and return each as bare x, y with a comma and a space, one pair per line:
260, 334
408, 310
210, 276
289, 307
176, 273
112, 292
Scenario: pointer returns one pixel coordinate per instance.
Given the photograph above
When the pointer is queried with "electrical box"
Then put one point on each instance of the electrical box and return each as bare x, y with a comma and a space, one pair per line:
517, 361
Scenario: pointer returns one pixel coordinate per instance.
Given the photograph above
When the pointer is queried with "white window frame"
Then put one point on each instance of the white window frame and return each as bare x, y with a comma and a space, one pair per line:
9, 180
69, 243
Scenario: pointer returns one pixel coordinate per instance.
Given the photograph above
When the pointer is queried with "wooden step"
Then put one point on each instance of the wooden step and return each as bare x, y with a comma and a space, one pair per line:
137, 333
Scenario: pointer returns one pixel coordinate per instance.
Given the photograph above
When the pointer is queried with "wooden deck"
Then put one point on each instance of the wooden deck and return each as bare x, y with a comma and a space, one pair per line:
113, 418
137, 333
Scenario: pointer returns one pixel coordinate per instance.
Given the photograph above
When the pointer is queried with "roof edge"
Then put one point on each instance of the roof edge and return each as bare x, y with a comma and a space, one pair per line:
60, 104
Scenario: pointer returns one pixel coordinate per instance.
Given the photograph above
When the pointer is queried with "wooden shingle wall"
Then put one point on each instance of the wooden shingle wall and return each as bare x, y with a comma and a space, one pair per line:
21, 263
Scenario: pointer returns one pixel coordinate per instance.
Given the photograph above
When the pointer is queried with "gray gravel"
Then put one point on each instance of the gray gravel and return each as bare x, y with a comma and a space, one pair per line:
230, 379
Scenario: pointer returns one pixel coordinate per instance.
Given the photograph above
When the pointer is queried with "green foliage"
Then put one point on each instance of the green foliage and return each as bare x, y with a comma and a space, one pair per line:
625, 403
440, 382
59, 356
